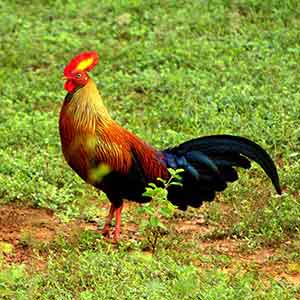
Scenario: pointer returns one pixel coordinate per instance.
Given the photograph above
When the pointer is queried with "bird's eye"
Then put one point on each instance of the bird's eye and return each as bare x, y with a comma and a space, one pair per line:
78, 75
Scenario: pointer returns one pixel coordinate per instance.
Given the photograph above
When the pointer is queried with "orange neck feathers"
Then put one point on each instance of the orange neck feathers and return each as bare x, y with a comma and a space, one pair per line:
87, 108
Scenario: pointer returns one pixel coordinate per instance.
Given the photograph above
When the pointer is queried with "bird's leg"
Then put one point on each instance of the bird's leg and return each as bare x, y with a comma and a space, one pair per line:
118, 223
110, 216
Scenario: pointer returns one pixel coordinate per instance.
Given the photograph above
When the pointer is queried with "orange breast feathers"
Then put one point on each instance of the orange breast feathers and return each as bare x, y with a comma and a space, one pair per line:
106, 143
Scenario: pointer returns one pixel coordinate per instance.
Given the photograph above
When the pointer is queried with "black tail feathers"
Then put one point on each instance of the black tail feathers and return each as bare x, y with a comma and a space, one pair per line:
210, 162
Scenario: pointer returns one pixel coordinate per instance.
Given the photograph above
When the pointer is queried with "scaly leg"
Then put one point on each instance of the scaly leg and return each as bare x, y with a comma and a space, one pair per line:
118, 223
110, 216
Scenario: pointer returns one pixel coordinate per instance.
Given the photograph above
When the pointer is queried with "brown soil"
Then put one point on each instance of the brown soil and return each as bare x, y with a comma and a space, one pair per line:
23, 226
27, 228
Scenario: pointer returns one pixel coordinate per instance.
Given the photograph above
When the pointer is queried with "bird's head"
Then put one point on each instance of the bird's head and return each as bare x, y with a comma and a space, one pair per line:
75, 73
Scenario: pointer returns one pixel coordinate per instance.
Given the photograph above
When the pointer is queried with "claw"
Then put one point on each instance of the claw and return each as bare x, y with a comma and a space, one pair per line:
116, 237
106, 230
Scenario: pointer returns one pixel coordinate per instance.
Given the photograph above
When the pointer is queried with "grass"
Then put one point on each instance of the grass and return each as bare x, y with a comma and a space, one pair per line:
90, 270
168, 71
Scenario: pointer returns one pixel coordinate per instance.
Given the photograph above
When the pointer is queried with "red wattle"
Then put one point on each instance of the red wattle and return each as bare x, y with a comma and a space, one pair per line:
70, 86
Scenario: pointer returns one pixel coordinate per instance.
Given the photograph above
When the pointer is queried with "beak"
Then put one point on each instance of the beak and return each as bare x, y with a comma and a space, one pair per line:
64, 78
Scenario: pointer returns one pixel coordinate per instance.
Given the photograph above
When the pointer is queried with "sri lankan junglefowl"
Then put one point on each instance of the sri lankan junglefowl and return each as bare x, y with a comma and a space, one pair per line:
91, 139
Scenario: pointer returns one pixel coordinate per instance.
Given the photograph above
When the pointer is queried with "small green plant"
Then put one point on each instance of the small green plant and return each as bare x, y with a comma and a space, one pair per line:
152, 226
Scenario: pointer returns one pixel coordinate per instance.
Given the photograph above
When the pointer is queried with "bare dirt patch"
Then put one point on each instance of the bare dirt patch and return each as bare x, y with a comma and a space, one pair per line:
22, 225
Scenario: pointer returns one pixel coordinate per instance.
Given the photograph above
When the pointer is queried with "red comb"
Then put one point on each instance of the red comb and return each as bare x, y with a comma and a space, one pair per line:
84, 61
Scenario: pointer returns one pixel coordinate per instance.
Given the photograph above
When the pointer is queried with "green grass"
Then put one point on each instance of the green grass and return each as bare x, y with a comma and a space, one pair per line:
92, 270
168, 71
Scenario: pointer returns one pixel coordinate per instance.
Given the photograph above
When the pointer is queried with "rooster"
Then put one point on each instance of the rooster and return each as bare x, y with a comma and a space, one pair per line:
91, 141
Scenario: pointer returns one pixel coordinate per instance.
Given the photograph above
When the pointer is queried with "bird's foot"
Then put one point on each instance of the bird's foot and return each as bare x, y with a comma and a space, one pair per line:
105, 231
116, 236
